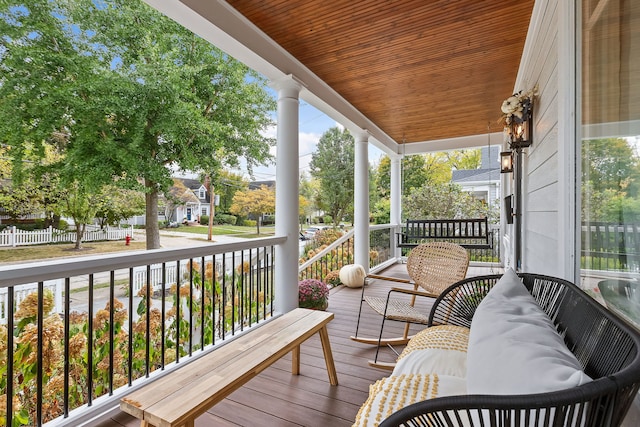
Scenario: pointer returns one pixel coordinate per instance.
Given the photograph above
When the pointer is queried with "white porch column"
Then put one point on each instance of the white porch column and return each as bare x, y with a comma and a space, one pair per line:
287, 190
396, 197
361, 200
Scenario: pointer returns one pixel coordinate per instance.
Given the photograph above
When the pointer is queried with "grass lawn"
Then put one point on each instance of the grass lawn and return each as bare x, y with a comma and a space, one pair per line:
41, 252
230, 230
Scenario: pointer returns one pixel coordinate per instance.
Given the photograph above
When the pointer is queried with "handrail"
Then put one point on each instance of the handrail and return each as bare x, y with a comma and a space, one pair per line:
326, 250
381, 253
18, 274
338, 242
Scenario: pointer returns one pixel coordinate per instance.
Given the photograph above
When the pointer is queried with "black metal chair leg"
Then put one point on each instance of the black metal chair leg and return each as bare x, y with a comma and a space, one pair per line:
360, 310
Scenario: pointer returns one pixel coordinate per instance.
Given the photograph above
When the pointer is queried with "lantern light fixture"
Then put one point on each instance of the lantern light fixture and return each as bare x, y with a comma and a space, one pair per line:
517, 116
506, 162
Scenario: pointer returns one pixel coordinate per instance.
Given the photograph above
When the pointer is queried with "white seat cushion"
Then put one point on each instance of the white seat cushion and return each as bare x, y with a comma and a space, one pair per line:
514, 347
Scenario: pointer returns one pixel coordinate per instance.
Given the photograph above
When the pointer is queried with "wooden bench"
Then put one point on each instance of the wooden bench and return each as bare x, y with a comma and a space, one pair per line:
468, 233
179, 397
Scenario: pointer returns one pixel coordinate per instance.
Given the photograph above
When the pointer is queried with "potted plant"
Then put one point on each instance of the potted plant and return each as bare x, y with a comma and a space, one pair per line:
313, 294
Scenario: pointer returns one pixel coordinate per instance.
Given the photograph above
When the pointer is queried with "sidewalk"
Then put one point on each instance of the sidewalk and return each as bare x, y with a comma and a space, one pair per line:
177, 239
168, 239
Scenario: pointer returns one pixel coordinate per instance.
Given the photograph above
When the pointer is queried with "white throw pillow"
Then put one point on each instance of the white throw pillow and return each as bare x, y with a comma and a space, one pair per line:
393, 393
438, 349
514, 347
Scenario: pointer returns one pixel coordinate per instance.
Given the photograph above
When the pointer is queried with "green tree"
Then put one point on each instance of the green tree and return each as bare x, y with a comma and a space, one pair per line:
36, 192
227, 184
117, 204
254, 202
464, 159
419, 169
81, 205
332, 165
133, 93
438, 201
414, 174
309, 189
611, 164
381, 211
19, 200
437, 168
303, 208
5, 162
610, 181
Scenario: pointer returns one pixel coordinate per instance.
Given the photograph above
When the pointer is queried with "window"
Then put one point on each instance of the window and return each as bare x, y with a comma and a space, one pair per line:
203, 193
204, 211
610, 153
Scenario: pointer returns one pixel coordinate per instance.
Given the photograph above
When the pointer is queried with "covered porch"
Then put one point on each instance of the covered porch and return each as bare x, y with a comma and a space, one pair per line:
277, 398
383, 101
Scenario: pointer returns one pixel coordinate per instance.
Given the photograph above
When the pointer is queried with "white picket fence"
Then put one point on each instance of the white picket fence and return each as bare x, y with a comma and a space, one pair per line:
155, 276
14, 237
20, 292
173, 276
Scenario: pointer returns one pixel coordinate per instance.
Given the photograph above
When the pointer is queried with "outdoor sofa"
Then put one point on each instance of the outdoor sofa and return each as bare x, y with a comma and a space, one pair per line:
511, 350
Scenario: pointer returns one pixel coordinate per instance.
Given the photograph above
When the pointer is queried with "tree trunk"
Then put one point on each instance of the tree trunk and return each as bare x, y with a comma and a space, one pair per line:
80, 228
258, 223
151, 215
56, 221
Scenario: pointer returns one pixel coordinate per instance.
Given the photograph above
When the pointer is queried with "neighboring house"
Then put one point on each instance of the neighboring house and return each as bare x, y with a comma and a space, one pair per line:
257, 184
483, 183
201, 193
186, 201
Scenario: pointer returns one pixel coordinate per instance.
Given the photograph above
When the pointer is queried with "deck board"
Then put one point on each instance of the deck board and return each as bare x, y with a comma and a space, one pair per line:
277, 398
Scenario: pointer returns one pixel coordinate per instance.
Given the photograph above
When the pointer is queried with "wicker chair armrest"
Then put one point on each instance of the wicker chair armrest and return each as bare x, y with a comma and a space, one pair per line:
457, 304
413, 292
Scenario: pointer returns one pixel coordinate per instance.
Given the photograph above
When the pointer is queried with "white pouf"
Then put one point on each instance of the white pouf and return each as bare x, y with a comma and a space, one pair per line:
352, 275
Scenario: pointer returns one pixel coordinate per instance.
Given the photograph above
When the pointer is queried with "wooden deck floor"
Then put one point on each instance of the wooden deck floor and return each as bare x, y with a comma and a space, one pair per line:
277, 398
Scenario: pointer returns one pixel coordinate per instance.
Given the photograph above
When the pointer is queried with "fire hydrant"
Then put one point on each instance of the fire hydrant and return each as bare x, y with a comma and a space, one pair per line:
127, 240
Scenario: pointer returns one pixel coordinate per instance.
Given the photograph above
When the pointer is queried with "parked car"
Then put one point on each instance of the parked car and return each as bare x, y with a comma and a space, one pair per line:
311, 231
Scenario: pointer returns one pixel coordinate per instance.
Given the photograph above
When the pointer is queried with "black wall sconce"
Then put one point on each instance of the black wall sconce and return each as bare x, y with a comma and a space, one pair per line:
508, 208
506, 162
518, 128
520, 133
518, 118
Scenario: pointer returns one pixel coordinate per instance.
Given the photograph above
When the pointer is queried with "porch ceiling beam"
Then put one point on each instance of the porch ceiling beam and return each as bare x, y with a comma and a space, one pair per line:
496, 139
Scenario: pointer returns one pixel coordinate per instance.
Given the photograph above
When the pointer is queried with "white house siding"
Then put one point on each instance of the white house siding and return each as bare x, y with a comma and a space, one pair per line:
543, 250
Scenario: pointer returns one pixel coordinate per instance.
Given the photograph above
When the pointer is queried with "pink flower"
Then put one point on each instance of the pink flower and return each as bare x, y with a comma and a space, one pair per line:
312, 293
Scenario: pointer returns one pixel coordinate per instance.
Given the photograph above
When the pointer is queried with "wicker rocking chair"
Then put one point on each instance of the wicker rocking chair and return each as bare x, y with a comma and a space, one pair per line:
432, 268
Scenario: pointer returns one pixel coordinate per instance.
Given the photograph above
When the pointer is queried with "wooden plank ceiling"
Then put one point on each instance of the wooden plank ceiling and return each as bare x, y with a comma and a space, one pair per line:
421, 70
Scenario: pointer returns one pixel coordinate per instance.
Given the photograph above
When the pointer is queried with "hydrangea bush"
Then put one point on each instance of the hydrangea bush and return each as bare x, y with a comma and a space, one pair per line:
333, 278
313, 294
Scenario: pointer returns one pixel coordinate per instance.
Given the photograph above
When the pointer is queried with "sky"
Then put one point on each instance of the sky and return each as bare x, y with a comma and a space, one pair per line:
313, 123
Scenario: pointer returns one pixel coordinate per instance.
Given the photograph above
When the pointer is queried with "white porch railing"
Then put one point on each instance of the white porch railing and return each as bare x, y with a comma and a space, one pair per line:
113, 333
340, 253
